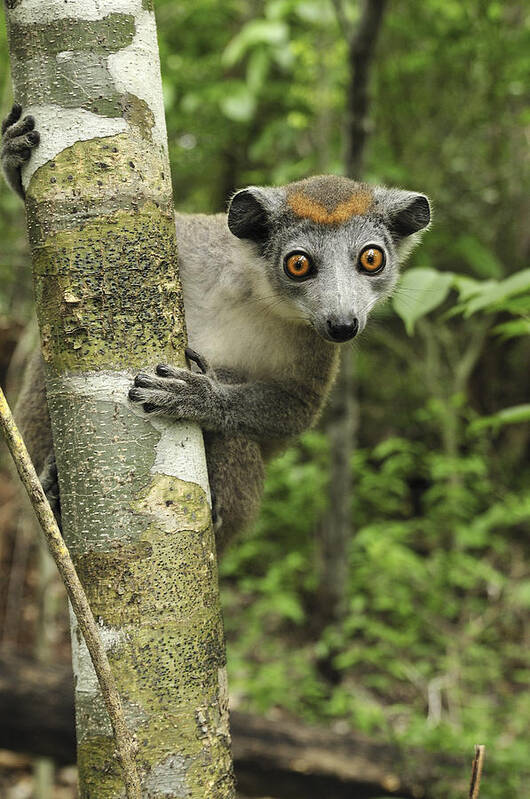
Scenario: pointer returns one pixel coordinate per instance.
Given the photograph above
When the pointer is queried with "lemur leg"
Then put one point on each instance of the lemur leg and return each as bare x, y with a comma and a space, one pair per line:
19, 137
31, 414
236, 473
50, 483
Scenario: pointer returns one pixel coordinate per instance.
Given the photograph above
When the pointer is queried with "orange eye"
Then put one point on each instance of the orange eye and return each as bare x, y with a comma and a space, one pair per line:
298, 265
372, 259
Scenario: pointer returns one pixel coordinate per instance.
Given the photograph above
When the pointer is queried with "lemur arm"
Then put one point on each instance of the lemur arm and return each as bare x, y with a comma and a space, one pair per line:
258, 410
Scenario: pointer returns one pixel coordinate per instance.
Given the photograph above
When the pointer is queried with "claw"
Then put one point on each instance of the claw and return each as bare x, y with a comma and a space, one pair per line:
149, 407
134, 396
142, 380
193, 356
163, 370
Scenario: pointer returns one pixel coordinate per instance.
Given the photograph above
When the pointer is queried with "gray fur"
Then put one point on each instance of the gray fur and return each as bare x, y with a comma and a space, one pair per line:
18, 140
269, 357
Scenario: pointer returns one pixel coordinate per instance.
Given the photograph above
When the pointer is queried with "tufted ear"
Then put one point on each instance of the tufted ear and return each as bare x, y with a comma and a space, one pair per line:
405, 212
251, 211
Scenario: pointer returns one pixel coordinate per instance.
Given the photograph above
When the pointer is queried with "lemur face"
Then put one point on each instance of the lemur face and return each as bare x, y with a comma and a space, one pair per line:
330, 247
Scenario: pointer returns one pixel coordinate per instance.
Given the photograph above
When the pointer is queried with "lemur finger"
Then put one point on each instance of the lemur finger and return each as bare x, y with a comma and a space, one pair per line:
179, 404
137, 395
201, 362
153, 401
173, 373
12, 117
143, 380
142, 394
21, 143
164, 370
24, 126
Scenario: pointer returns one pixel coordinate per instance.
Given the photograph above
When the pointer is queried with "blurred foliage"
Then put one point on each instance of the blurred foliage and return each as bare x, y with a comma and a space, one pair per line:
431, 650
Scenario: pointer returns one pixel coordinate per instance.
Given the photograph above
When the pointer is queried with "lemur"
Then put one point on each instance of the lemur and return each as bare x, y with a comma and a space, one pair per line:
293, 273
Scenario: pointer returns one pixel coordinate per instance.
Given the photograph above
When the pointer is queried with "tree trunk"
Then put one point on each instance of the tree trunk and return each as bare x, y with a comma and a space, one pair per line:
134, 490
336, 529
362, 50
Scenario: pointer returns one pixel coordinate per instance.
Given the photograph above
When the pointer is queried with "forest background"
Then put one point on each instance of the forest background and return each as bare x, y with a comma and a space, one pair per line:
431, 645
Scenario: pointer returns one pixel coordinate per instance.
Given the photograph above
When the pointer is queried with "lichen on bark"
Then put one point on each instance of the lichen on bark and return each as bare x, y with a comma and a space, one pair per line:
109, 302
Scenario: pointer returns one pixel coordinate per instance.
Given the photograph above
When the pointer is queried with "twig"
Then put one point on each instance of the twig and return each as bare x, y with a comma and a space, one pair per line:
342, 19
476, 771
125, 745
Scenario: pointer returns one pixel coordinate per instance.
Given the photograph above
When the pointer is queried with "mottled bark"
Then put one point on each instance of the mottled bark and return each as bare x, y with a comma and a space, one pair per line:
134, 491
125, 744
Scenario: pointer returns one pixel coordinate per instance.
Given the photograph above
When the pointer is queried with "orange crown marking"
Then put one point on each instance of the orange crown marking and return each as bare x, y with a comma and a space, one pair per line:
307, 208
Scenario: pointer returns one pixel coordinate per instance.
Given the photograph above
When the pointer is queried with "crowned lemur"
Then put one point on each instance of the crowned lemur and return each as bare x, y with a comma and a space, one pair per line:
271, 291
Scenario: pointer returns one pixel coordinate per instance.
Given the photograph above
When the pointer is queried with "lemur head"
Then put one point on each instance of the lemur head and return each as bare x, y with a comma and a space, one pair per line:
329, 247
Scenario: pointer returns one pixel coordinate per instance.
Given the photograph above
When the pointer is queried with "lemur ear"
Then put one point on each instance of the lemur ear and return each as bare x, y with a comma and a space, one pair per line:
250, 212
416, 215
406, 212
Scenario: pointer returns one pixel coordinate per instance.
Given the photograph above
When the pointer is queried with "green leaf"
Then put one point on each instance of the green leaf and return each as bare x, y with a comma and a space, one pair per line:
240, 104
315, 12
468, 287
513, 415
480, 258
420, 291
494, 294
258, 31
513, 329
257, 69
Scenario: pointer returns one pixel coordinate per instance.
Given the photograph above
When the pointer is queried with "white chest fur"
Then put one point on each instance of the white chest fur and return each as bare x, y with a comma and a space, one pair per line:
243, 337
233, 316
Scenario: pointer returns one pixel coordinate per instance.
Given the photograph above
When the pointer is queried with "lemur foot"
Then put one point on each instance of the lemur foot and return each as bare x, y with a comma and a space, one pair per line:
216, 517
50, 484
179, 393
19, 137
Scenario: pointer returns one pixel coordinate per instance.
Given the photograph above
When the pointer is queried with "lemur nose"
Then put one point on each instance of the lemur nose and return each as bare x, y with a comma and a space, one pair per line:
340, 330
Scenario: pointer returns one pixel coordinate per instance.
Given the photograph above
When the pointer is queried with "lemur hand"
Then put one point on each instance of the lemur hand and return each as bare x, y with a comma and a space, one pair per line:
19, 137
181, 394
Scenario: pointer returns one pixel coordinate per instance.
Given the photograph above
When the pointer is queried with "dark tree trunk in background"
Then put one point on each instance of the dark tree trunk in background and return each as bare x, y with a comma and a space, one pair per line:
362, 50
336, 529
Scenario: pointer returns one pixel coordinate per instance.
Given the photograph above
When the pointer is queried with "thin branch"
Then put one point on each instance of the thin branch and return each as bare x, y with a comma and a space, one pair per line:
471, 354
125, 745
342, 19
476, 771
